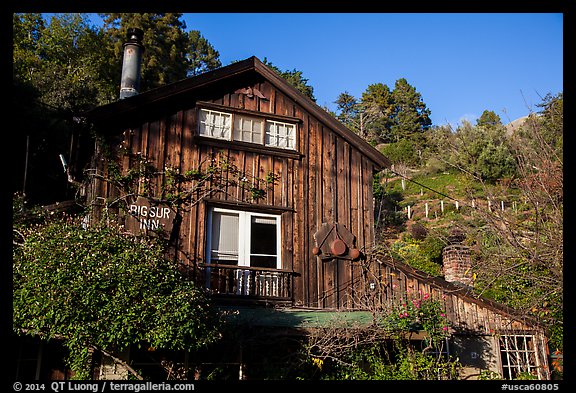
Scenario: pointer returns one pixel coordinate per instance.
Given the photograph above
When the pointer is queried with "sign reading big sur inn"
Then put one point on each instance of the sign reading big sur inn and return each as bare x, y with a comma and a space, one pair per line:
145, 216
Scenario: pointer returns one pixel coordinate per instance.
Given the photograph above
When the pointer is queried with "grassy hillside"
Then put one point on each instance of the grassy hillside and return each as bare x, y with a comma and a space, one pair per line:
421, 213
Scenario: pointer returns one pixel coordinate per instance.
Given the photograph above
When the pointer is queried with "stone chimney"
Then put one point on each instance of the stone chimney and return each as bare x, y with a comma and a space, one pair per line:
131, 63
457, 263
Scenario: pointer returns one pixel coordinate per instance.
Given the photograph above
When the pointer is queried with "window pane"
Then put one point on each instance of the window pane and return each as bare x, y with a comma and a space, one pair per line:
263, 261
214, 124
225, 237
517, 354
247, 129
280, 134
263, 237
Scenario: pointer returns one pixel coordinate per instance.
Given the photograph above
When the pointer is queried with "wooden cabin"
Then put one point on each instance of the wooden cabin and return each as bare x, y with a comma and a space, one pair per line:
296, 182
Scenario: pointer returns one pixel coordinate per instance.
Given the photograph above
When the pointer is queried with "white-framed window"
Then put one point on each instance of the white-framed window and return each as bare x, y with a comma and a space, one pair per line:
279, 134
214, 124
245, 128
248, 129
244, 238
518, 355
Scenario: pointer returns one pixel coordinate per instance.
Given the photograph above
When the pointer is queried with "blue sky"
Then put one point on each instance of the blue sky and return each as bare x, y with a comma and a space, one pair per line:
460, 63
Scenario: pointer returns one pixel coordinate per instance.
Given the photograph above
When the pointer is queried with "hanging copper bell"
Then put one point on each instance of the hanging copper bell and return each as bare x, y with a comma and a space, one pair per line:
354, 253
338, 247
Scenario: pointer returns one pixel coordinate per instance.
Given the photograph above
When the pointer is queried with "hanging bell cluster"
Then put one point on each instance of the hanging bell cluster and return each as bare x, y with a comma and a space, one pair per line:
335, 241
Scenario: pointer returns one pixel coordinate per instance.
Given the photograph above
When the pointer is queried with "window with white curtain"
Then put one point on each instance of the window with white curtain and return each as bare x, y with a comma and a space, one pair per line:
248, 129
244, 238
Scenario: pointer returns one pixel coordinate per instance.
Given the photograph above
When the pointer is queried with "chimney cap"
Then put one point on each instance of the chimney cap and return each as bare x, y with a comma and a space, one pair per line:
134, 34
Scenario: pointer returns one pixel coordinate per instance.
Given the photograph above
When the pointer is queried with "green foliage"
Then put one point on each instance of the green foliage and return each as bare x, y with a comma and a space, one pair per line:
549, 123
483, 150
489, 119
412, 117
409, 252
495, 162
385, 116
377, 108
170, 53
402, 151
400, 363
348, 108
432, 248
419, 312
295, 78
64, 60
201, 55
100, 288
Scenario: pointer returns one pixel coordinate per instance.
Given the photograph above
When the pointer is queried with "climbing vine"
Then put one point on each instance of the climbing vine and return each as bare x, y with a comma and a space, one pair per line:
216, 174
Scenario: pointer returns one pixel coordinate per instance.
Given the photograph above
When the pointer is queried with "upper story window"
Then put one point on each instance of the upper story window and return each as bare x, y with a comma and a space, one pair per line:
280, 134
248, 129
215, 124
245, 128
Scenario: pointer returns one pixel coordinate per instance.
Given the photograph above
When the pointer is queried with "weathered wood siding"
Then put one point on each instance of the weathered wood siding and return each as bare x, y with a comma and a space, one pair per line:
330, 181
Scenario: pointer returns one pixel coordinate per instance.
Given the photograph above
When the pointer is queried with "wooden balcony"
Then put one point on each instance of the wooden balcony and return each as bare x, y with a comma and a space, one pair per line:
247, 282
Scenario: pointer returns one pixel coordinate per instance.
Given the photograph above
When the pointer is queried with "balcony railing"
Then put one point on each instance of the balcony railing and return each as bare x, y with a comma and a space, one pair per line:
245, 281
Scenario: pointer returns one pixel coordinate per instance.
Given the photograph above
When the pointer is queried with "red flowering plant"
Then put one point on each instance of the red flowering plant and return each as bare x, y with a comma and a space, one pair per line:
420, 312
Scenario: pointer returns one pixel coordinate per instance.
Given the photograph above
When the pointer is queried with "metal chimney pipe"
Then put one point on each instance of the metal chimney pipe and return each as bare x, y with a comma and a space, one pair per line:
131, 63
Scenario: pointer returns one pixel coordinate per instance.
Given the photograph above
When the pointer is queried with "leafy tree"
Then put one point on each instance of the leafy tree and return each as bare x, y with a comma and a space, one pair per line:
66, 66
64, 61
27, 30
489, 119
347, 106
401, 152
411, 117
519, 250
99, 289
170, 53
550, 123
385, 116
483, 152
57, 73
201, 54
295, 78
378, 107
